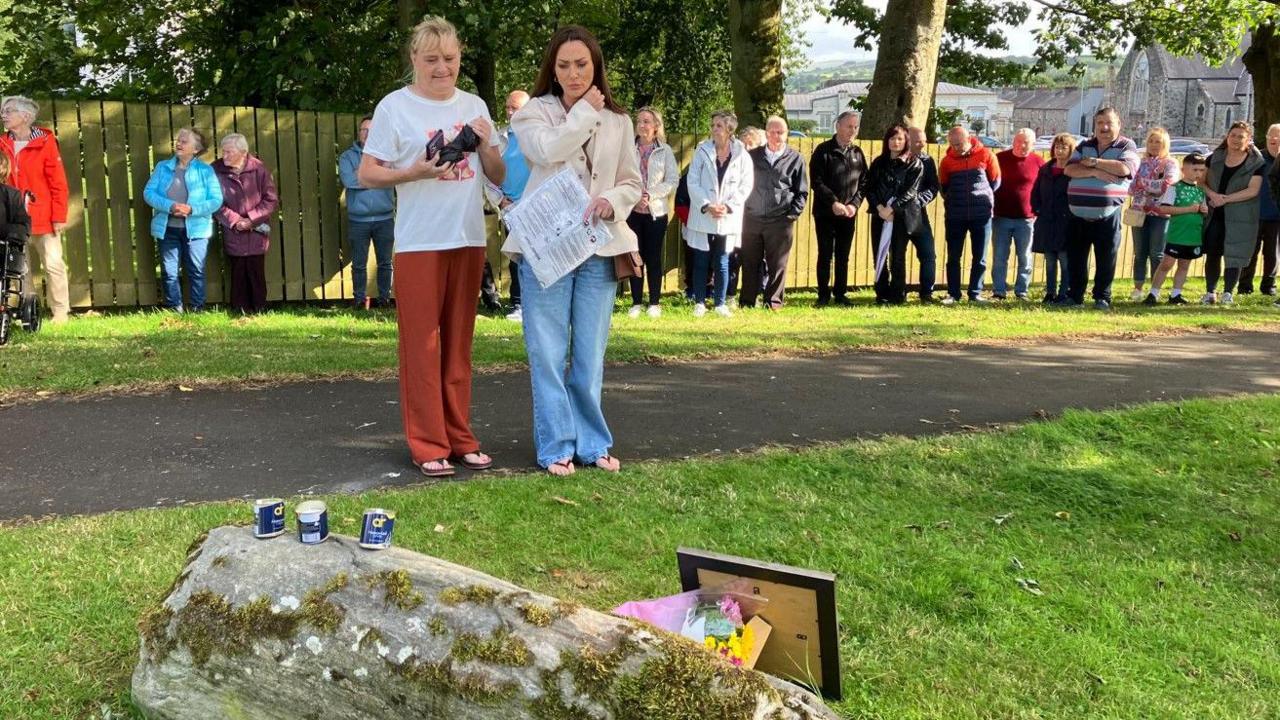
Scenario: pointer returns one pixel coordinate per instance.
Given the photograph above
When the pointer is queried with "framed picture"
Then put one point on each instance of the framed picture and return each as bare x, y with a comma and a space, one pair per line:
803, 646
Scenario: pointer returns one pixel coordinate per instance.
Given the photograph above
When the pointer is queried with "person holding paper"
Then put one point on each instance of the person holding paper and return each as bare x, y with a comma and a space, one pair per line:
573, 122
893, 183
424, 142
720, 180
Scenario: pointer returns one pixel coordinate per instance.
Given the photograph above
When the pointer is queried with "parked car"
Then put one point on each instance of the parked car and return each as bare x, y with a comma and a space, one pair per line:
1186, 146
796, 133
986, 140
1044, 143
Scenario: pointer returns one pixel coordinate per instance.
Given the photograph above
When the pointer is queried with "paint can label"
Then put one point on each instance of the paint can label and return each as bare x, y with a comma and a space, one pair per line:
268, 518
375, 533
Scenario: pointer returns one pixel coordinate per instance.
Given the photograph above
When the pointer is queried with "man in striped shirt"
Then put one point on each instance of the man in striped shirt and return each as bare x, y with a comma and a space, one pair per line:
1100, 170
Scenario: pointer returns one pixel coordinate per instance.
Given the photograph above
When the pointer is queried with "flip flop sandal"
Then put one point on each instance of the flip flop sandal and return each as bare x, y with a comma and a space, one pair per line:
566, 464
462, 460
597, 464
442, 469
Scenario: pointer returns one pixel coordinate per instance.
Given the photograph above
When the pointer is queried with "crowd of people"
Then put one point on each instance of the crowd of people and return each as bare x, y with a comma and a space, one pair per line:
429, 164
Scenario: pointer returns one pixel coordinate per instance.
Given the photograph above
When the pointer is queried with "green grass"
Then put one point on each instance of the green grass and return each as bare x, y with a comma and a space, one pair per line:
154, 348
1161, 589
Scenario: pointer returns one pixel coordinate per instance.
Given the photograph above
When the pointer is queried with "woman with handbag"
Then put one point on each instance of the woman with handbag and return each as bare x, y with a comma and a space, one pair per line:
572, 121
1156, 174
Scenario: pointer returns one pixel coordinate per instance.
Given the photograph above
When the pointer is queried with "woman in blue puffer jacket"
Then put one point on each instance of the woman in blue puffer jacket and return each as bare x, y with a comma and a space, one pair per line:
185, 193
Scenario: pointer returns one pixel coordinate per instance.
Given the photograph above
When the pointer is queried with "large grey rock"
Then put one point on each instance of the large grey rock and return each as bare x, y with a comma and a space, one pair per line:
276, 629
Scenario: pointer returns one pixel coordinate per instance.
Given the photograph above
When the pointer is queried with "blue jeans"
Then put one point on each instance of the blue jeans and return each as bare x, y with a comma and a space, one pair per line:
1054, 263
977, 230
1148, 247
1017, 231
192, 251
383, 235
568, 321
703, 261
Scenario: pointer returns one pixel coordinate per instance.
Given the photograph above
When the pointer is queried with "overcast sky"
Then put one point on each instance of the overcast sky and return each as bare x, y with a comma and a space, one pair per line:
834, 41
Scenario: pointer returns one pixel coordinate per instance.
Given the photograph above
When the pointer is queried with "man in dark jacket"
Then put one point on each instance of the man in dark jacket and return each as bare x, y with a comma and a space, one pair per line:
926, 249
778, 197
838, 174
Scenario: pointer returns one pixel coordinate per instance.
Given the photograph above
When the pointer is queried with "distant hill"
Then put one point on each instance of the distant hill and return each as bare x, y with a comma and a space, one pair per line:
824, 74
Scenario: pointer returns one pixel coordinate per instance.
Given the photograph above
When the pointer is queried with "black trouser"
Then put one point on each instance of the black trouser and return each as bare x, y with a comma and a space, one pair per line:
651, 233
835, 240
1268, 240
891, 284
489, 289
514, 273
1215, 248
248, 282
1103, 238
769, 241
927, 254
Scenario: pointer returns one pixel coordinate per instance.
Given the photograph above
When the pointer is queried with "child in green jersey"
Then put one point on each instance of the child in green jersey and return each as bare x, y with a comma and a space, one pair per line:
1185, 203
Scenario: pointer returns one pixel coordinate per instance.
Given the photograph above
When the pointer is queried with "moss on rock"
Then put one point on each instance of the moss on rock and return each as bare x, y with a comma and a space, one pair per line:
685, 681
440, 678
536, 615
208, 624
397, 589
437, 626
154, 628
475, 594
502, 648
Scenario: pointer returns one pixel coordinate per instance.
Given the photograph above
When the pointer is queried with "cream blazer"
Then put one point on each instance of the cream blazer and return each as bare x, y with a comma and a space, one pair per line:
552, 139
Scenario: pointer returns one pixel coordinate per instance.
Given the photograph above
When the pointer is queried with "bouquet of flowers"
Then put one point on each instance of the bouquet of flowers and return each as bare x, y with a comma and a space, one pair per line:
718, 619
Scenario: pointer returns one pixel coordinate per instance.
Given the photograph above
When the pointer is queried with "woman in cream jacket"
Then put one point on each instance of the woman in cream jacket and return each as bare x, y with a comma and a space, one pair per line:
720, 179
573, 121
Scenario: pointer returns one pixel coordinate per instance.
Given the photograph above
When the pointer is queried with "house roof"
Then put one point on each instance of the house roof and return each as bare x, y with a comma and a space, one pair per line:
1047, 99
1195, 67
1221, 91
804, 101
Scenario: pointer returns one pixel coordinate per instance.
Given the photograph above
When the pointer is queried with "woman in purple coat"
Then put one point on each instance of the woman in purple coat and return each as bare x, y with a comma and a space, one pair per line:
249, 199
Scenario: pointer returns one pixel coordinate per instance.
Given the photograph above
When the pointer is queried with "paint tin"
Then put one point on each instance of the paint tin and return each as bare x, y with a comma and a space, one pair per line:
268, 518
313, 522
375, 532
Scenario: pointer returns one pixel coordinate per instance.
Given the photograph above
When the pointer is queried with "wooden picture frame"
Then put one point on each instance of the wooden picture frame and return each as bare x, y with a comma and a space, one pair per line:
804, 646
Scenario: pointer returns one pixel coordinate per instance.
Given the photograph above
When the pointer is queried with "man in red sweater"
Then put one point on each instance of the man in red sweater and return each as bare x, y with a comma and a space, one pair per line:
1013, 217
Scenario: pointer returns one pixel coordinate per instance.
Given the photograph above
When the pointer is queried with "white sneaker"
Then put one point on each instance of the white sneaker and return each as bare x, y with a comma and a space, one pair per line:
655, 311
515, 315
723, 311
699, 310
948, 300
635, 311
1227, 299
1138, 295
1209, 299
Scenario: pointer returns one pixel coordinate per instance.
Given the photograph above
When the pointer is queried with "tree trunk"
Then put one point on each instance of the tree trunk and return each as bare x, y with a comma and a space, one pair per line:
906, 65
1262, 60
483, 71
755, 37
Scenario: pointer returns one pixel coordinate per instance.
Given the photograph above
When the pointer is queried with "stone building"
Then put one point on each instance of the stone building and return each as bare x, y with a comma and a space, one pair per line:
1050, 111
1186, 96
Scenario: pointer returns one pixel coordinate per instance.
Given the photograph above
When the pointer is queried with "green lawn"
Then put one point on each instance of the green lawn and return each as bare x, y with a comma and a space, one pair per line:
1161, 588
147, 349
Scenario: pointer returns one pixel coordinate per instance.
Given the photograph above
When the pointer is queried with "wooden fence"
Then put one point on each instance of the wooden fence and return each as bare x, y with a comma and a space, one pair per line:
110, 148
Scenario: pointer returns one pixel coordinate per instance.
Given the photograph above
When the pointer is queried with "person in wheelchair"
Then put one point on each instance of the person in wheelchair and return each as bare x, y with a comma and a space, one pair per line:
15, 229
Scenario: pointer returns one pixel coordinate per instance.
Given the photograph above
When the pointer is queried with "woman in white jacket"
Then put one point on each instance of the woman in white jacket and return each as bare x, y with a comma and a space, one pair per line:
572, 121
660, 174
720, 180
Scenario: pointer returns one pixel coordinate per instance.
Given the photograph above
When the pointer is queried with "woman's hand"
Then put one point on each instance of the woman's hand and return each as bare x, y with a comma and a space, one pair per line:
717, 210
1215, 199
597, 208
58, 227
643, 205
483, 129
180, 209
594, 98
243, 225
885, 212
429, 169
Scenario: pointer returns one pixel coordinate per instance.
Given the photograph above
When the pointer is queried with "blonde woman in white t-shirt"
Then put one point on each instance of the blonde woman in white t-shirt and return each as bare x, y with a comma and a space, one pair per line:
573, 122
439, 241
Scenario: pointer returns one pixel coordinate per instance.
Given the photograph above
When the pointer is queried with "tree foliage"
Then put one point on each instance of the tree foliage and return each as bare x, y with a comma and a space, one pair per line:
339, 55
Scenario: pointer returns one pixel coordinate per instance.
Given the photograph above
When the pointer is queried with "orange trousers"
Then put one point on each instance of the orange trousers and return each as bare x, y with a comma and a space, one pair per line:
436, 294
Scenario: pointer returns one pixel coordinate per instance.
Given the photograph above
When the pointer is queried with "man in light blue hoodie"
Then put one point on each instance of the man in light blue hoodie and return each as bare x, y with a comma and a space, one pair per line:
370, 216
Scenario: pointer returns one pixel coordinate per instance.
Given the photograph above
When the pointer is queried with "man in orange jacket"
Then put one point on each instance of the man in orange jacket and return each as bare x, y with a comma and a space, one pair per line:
37, 171
969, 175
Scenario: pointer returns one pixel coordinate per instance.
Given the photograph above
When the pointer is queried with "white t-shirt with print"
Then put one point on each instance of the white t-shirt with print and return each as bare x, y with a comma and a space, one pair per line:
442, 213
